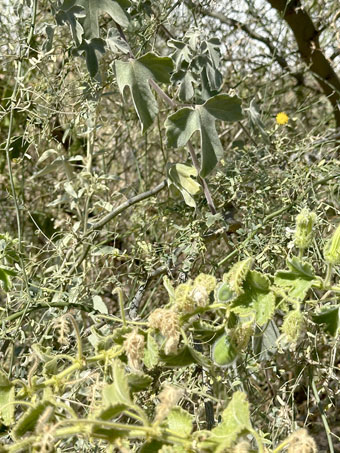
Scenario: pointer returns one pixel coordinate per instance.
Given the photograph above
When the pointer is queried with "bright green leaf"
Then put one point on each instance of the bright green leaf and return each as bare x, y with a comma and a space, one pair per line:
297, 281
257, 298
118, 391
235, 419
5, 276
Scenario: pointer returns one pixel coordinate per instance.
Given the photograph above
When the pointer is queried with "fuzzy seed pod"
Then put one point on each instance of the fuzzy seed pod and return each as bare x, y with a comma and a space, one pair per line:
237, 275
134, 348
293, 325
184, 303
200, 296
304, 228
167, 322
302, 442
168, 398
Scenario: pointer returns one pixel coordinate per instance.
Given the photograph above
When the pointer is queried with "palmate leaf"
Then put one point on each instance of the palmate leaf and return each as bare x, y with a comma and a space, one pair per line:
94, 8
181, 125
136, 74
71, 13
93, 48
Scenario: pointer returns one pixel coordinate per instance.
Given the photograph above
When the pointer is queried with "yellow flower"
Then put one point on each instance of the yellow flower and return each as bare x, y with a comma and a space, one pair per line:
282, 118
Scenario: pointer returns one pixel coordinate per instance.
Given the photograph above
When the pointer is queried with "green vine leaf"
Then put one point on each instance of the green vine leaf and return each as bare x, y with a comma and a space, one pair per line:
94, 8
257, 298
5, 276
93, 48
179, 421
186, 356
119, 391
136, 74
181, 125
297, 281
151, 353
235, 419
139, 381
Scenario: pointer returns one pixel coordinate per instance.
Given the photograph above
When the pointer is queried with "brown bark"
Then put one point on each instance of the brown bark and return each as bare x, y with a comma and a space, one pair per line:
307, 38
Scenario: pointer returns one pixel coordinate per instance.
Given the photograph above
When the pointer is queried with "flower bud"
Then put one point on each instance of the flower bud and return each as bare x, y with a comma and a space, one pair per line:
304, 228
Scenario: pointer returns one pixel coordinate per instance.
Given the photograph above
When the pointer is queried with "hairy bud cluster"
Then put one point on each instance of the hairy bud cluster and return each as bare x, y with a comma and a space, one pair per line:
304, 228
134, 348
168, 398
167, 322
193, 294
241, 335
302, 442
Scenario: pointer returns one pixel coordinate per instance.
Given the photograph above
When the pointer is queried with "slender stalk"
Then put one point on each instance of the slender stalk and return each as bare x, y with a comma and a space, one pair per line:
328, 276
78, 336
323, 416
119, 291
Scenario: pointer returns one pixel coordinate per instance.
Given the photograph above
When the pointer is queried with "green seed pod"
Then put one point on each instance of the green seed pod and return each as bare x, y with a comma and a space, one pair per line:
237, 275
293, 325
224, 352
331, 251
304, 228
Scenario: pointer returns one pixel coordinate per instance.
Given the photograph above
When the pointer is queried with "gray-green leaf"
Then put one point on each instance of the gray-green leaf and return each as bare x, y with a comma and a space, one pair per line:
181, 125
136, 74
94, 8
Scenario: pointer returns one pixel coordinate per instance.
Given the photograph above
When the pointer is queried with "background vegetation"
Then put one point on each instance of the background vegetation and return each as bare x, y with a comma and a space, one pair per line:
159, 292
